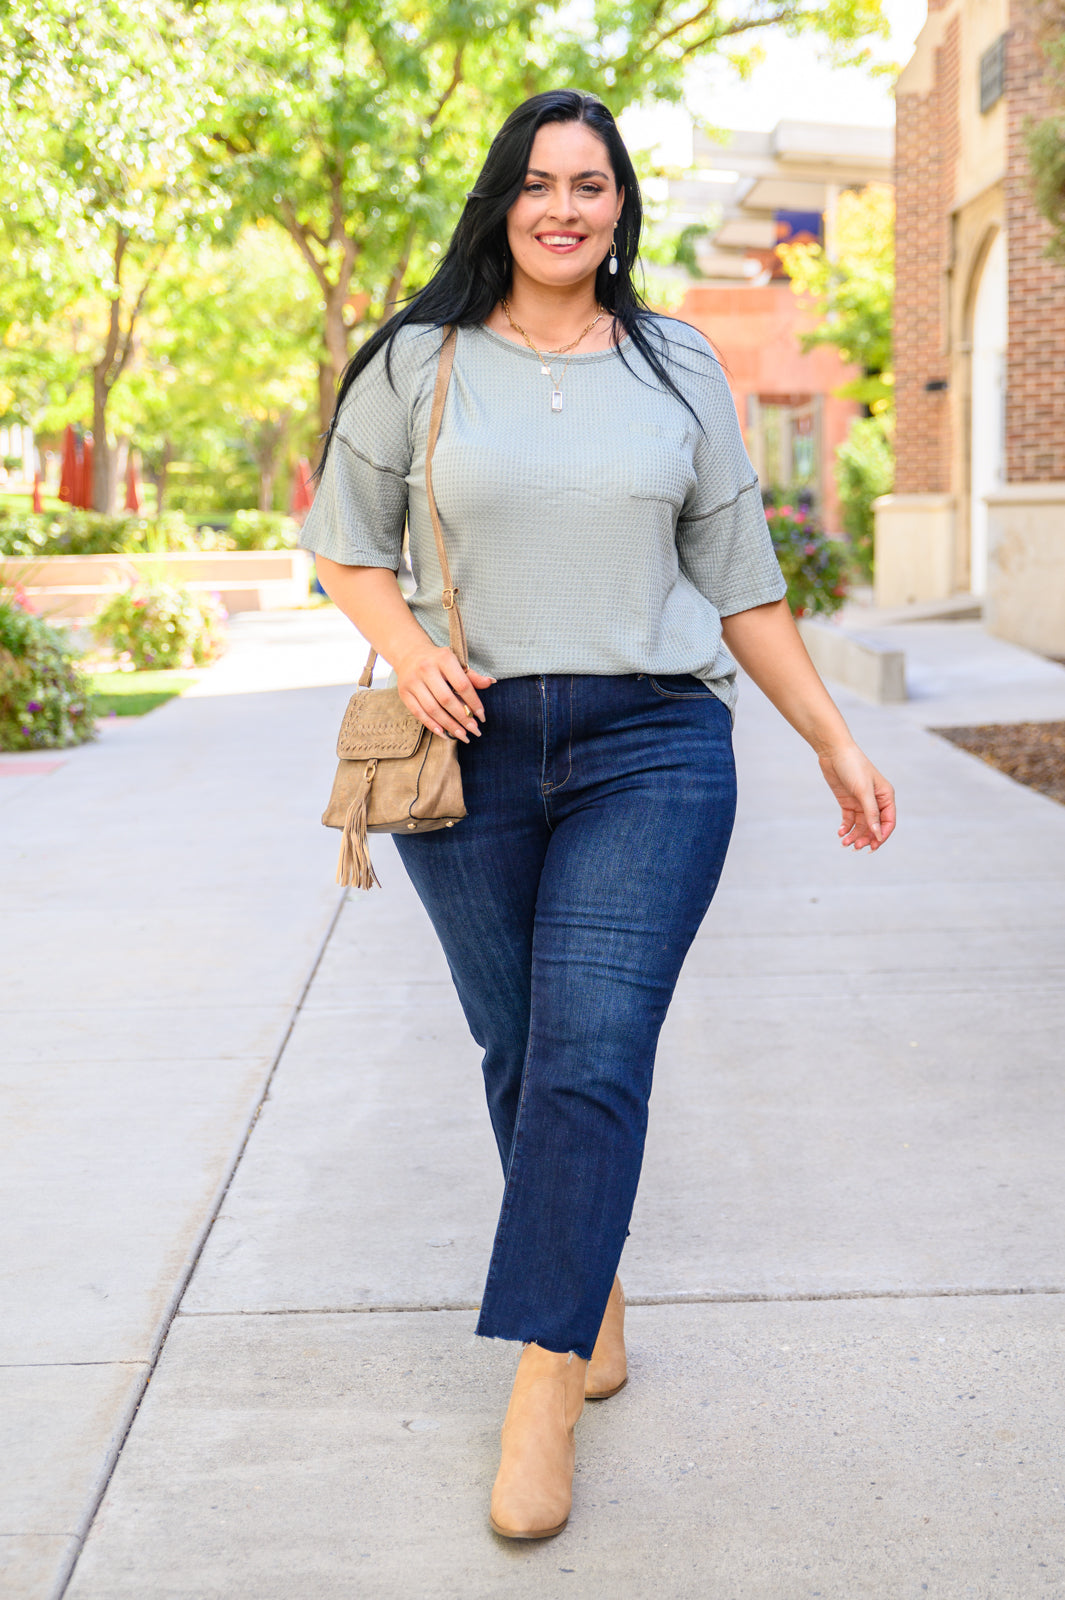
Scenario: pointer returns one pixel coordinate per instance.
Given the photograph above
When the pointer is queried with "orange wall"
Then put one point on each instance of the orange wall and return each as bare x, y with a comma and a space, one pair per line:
755, 331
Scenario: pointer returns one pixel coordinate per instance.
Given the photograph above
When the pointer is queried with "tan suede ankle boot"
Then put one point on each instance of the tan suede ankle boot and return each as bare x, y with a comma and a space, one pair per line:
534, 1487
608, 1370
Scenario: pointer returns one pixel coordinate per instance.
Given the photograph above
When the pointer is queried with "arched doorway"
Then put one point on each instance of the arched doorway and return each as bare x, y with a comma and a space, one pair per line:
988, 436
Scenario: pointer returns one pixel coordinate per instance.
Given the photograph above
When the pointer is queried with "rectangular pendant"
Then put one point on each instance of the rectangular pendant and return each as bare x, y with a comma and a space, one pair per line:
556, 401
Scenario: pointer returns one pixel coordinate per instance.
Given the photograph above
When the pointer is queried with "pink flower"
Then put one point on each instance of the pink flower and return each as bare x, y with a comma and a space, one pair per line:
786, 511
809, 549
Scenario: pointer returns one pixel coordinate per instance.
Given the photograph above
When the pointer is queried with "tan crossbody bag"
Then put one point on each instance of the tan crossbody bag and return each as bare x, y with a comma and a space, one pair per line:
394, 776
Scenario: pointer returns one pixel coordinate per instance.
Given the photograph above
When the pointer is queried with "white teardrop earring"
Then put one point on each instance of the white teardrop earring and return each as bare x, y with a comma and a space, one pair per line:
613, 267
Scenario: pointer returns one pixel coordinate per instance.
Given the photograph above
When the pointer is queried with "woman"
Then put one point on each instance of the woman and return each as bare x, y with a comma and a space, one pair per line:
605, 529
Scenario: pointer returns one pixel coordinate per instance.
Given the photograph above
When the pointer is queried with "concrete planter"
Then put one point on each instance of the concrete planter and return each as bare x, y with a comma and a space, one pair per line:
71, 587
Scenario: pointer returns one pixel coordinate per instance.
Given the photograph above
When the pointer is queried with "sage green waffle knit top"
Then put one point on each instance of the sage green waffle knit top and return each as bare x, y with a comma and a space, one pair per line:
609, 537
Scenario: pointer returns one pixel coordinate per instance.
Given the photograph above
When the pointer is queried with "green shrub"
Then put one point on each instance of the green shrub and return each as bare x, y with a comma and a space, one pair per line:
160, 625
865, 468
26, 537
92, 533
814, 567
44, 696
67, 533
262, 530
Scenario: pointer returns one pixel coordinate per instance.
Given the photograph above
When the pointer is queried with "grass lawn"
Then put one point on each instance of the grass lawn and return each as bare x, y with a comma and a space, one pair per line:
131, 694
23, 500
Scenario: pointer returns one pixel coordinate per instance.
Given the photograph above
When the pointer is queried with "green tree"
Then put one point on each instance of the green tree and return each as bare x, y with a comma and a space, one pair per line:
1046, 138
853, 291
230, 359
357, 126
99, 110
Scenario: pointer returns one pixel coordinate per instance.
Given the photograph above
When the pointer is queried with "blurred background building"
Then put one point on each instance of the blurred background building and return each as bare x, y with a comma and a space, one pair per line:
742, 199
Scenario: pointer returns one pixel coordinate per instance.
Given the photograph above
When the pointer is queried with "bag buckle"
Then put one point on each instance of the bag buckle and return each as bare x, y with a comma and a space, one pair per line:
448, 599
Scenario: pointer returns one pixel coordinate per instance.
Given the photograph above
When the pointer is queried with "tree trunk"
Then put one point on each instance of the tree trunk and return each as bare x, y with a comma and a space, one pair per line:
120, 462
103, 481
157, 474
327, 392
118, 348
336, 352
268, 444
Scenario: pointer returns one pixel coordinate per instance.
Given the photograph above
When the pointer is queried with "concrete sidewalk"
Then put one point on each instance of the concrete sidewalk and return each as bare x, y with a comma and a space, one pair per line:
848, 1342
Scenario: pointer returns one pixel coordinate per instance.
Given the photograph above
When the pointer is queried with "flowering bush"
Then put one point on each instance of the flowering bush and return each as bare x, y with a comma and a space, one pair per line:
161, 625
814, 567
44, 696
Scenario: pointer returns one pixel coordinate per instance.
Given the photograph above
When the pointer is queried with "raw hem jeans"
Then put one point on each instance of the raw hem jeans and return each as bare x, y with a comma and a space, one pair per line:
599, 813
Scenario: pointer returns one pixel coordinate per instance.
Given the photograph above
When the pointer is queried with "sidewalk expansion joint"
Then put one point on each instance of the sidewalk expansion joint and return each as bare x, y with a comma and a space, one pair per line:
128, 1361
681, 1298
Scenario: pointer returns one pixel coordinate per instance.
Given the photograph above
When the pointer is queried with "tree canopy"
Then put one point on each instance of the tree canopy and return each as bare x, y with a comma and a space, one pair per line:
358, 127
136, 133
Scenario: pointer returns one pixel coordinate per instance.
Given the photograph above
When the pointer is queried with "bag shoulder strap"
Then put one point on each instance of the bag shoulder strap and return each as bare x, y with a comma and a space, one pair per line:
455, 629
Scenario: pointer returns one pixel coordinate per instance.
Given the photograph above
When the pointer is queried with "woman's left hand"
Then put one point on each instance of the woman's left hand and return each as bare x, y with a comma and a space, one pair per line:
866, 798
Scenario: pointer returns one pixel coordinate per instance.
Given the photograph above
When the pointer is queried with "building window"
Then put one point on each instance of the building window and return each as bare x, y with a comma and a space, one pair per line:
993, 74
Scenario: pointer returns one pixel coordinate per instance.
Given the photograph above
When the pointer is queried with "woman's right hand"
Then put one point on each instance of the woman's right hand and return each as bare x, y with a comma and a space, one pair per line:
434, 686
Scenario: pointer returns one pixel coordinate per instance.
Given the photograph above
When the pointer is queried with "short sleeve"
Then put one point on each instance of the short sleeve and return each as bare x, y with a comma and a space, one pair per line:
360, 506
723, 539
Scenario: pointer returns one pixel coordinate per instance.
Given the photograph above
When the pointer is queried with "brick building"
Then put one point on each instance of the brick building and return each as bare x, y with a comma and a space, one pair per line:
979, 502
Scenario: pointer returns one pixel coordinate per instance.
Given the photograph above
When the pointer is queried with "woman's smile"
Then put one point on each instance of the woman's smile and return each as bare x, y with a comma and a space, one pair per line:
560, 242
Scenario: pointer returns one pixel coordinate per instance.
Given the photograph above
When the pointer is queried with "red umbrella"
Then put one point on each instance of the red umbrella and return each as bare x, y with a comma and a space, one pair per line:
83, 497
302, 490
38, 503
133, 499
69, 471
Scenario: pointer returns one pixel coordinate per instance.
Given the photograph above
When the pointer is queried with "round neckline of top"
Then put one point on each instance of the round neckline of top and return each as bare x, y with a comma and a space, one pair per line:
530, 355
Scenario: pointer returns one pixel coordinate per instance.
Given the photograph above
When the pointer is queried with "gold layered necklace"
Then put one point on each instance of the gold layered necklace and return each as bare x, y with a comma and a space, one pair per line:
545, 361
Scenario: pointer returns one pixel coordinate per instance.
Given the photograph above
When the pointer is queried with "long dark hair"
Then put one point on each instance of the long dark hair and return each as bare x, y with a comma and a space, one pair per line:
474, 274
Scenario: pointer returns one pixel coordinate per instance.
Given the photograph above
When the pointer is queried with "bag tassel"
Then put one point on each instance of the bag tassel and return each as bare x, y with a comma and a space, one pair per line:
354, 867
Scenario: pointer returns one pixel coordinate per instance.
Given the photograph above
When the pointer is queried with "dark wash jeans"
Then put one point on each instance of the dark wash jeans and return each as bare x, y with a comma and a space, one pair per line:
599, 813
